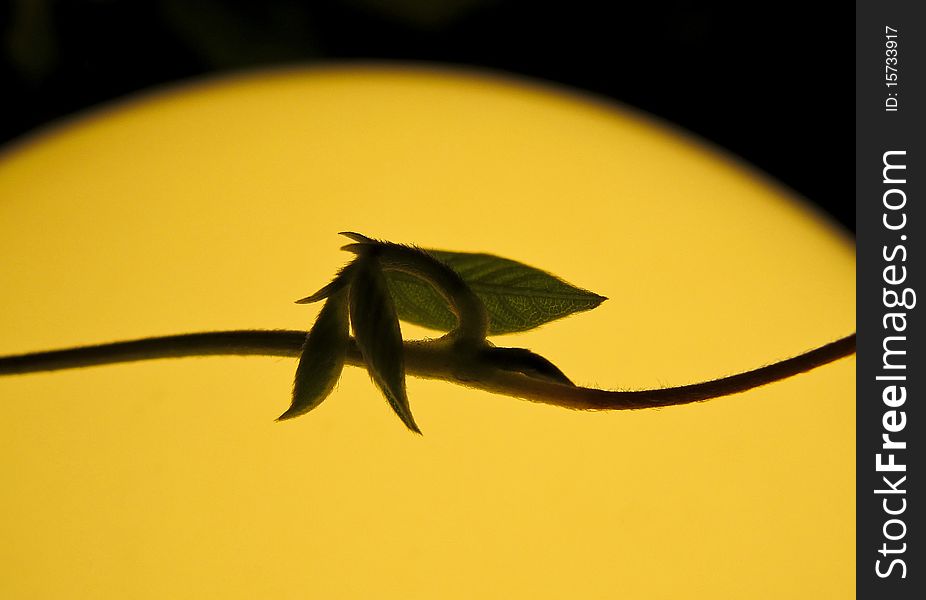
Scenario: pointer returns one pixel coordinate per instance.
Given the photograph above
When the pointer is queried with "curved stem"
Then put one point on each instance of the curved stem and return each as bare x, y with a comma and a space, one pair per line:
472, 318
428, 359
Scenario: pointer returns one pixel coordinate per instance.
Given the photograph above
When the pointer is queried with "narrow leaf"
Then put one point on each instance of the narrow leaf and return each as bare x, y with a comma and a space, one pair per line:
517, 297
376, 328
357, 237
340, 281
524, 361
322, 357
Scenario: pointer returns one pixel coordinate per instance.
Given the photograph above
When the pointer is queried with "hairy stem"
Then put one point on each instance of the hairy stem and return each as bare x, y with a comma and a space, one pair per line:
473, 320
429, 359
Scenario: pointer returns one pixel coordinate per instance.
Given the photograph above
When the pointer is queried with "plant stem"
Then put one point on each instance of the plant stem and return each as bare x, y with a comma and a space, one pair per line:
472, 318
429, 359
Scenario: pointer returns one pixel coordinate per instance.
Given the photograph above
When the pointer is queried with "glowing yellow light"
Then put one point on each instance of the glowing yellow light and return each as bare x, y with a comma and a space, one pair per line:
215, 206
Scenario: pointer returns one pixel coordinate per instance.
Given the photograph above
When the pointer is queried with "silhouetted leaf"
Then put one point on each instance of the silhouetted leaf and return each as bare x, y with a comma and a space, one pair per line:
516, 296
524, 361
340, 281
376, 329
357, 237
322, 358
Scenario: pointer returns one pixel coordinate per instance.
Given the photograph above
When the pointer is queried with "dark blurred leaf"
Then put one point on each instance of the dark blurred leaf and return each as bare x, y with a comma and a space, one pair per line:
322, 357
516, 296
376, 329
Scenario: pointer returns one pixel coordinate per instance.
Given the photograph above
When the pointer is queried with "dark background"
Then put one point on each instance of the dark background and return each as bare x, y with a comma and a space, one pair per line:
772, 83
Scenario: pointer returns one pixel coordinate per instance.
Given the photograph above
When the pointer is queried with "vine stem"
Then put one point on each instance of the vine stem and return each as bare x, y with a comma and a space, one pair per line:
428, 359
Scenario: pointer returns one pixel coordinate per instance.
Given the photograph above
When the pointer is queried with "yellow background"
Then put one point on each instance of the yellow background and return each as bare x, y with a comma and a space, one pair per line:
215, 205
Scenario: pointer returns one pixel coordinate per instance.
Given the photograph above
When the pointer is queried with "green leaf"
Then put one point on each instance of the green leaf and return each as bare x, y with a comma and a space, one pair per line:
322, 358
376, 329
516, 296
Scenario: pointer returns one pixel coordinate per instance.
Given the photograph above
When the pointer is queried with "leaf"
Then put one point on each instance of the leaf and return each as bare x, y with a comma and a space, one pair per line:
357, 237
341, 280
322, 358
376, 328
524, 361
517, 297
